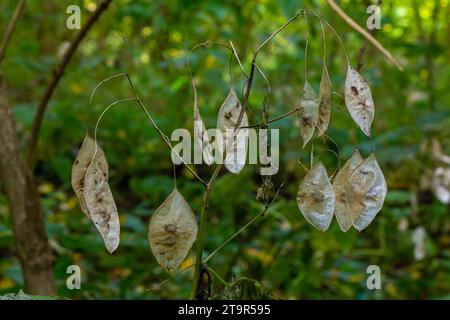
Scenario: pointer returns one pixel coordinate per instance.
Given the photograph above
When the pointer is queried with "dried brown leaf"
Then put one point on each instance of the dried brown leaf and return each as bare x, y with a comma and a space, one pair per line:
341, 211
315, 197
358, 100
366, 190
172, 230
80, 166
236, 154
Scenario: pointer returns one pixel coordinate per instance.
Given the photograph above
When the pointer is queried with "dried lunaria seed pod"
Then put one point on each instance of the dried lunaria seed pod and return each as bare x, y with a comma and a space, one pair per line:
202, 136
172, 230
80, 166
441, 184
315, 197
101, 206
235, 144
358, 100
365, 192
324, 102
341, 211
308, 113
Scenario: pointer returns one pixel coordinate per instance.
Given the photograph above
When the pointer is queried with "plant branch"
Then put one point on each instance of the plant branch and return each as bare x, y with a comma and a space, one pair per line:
56, 77
204, 210
364, 33
301, 12
287, 114
136, 98
163, 136
10, 28
363, 49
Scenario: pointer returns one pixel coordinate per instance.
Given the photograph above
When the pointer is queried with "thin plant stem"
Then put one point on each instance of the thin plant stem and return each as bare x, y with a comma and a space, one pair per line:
306, 48
98, 123
163, 136
278, 30
364, 33
284, 115
204, 210
264, 78
215, 274
103, 82
237, 59
248, 224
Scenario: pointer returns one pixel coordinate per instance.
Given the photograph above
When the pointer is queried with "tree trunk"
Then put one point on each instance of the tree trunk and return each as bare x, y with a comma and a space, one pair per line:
32, 246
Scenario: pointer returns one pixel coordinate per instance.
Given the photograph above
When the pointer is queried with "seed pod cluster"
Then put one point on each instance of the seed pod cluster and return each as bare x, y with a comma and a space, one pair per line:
355, 197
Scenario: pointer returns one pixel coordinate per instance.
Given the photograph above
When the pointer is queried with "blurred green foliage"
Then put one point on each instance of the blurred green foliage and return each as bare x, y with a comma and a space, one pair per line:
150, 40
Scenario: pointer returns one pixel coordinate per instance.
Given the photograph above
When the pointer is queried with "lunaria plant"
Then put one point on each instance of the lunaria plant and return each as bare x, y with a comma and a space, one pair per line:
355, 195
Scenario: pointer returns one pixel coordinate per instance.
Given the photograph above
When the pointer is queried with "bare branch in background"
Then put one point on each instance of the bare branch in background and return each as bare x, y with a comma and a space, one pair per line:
362, 51
10, 28
364, 33
56, 77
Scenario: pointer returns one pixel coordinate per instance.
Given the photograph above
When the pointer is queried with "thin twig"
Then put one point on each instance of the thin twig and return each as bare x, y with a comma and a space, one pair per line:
10, 28
363, 49
364, 33
306, 48
103, 82
284, 115
278, 30
56, 77
260, 214
161, 133
237, 59
136, 98
98, 123
221, 280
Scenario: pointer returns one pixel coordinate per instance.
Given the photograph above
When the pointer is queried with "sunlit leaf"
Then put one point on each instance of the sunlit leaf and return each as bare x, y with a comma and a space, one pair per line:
358, 100
341, 211
324, 102
101, 206
172, 230
236, 153
80, 166
309, 113
366, 190
315, 197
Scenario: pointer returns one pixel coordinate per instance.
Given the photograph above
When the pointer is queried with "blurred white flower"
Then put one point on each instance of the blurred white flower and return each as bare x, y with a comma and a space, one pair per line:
403, 224
418, 238
441, 184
